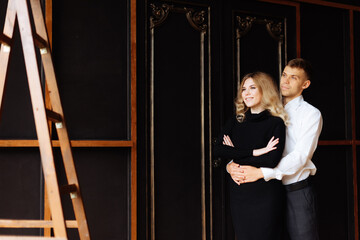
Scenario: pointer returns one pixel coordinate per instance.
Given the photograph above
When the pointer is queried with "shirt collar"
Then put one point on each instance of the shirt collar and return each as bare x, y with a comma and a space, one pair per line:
293, 104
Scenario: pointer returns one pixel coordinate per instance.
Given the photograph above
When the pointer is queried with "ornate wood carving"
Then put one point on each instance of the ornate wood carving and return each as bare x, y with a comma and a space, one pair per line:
244, 25
196, 19
275, 29
160, 13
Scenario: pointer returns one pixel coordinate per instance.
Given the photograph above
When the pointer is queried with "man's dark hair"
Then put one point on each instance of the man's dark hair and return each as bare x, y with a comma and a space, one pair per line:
302, 64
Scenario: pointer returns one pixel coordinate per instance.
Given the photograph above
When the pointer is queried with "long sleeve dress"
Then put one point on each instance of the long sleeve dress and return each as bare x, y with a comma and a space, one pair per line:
257, 208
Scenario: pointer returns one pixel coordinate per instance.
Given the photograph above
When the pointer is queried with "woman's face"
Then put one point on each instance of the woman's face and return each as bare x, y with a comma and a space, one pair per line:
252, 96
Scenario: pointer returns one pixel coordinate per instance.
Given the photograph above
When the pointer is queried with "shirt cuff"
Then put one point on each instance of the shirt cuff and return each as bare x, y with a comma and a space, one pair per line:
228, 164
268, 173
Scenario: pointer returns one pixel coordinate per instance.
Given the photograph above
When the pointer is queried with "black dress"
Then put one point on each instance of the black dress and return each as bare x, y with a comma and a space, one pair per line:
257, 208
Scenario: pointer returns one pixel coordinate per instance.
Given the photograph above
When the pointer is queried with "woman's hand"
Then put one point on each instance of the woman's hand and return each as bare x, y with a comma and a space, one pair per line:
227, 141
270, 147
236, 173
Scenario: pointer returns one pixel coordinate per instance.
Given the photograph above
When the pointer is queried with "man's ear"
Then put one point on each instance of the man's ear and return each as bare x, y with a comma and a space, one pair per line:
306, 84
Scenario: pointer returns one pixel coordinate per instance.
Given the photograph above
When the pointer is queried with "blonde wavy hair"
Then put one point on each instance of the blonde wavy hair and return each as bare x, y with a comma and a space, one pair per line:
270, 99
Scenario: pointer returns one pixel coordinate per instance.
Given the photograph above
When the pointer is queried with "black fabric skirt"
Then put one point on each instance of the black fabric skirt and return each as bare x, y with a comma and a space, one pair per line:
258, 210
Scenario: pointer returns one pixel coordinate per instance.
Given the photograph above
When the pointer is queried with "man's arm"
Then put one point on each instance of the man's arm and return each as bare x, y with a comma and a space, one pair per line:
303, 151
295, 160
250, 174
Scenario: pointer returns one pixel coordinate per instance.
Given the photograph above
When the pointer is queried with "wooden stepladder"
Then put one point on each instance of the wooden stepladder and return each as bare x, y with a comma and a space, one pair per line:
18, 9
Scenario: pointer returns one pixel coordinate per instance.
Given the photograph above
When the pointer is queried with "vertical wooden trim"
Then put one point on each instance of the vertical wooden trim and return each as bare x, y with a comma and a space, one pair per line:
238, 76
49, 20
133, 121
356, 206
202, 104
48, 24
285, 45
152, 139
280, 58
298, 39
209, 130
353, 123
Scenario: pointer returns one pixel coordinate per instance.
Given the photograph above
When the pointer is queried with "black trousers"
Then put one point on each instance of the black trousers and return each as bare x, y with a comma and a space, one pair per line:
301, 214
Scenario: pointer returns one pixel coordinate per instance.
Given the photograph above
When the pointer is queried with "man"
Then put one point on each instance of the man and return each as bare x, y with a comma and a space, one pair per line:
296, 167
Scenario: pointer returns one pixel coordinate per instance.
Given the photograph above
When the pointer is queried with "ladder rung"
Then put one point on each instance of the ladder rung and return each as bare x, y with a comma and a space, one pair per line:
12, 223
40, 42
30, 238
66, 189
53, 116
5, 39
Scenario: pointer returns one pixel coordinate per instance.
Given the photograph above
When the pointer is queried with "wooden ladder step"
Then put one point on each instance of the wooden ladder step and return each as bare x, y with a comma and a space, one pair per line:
66, 189
29, 238
12, 223
40, 43
5, 39
53, 116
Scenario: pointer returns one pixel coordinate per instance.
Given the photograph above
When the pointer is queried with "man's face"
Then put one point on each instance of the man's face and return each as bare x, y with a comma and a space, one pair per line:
293, 81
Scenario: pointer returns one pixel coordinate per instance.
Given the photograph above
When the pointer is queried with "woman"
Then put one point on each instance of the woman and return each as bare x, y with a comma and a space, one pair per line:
256, 208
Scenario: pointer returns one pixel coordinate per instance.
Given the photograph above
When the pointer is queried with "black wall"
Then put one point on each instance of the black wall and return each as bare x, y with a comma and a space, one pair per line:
91, 59
91, 55
324, 40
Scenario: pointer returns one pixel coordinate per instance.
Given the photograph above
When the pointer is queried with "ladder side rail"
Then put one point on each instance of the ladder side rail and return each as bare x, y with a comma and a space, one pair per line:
5, 50
64, 141
40, 118
76, 198
65, 145
39, 20
40, 32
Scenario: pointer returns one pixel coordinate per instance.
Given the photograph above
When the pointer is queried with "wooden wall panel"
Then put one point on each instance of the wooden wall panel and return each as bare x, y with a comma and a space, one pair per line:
21, 187
92, 61
324, 43
91, 57
336, 195
264, 59
104, 178
357, 69
259, 42
320, 32
358, 179
177, 129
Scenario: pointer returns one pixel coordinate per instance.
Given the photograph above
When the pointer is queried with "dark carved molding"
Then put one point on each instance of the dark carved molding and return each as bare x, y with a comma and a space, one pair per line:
196, 19
275, 29
244, 25
160, 13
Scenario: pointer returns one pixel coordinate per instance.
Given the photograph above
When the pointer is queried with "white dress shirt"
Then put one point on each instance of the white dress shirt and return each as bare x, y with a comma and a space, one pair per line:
302, 136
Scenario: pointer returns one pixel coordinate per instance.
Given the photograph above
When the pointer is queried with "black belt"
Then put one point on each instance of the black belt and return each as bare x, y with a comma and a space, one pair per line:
298, 185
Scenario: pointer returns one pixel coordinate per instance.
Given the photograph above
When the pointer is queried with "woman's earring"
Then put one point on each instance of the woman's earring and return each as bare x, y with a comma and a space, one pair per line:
240, 118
